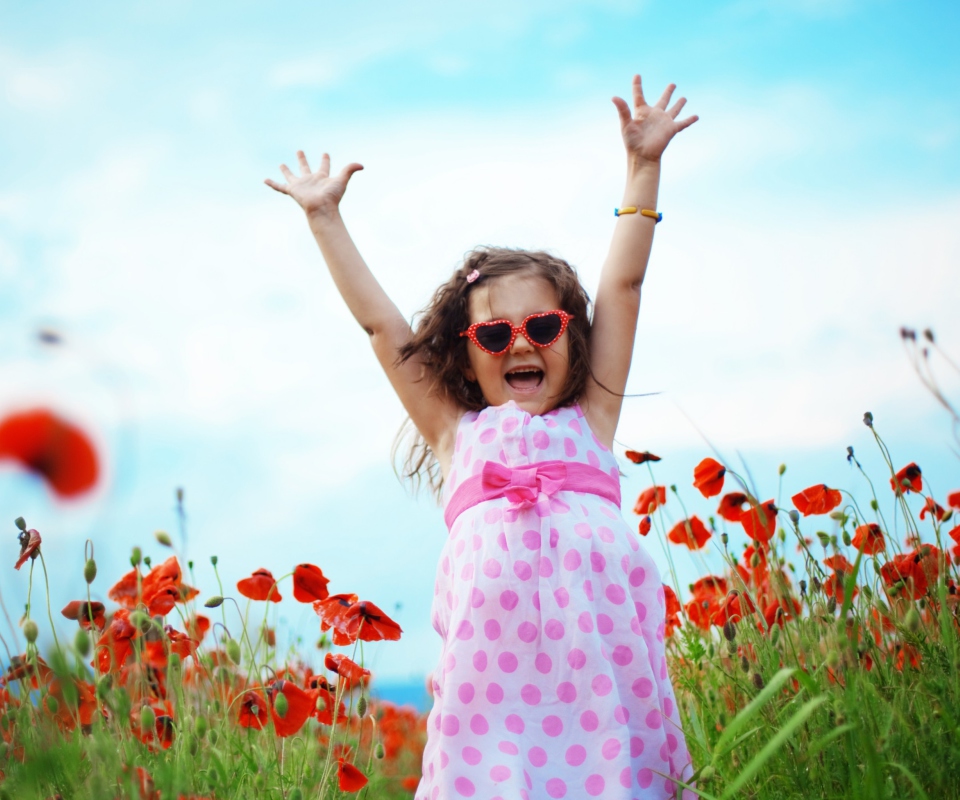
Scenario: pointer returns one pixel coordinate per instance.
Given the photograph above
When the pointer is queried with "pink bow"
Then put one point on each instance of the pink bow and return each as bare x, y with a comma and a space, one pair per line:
522, 485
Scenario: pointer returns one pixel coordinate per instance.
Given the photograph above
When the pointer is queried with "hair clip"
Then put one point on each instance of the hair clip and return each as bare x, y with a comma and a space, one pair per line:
473, 276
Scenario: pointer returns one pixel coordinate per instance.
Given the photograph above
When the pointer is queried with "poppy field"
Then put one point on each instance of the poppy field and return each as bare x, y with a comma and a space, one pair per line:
822, 661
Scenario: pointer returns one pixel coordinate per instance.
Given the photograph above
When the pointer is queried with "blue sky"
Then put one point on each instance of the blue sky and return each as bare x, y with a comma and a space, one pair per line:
808, 214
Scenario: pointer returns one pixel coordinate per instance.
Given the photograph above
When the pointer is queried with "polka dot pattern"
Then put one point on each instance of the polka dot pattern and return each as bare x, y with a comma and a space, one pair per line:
552, 682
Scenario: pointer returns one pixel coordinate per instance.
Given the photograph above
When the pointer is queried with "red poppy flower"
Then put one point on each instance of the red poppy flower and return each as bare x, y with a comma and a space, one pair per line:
731, 506
650, 499
332, 613
253, 710
260, 586
838, 563
351, 674
817, 499
83, 611
916, 570
707, 594
126, 591
369, 623
29, 547
180, 643
760, 522
350, 778
869, 539
911, 473
49, 446
732, 608
309, 584
198, 626
645, 525
324, 702
691, 532
162, 601
162, 732
641, 458
953, 499
933, 508
779, 611
835, 585
300, 705
708, 477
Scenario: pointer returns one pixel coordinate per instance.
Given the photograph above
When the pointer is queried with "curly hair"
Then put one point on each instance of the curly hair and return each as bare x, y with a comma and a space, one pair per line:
437, 343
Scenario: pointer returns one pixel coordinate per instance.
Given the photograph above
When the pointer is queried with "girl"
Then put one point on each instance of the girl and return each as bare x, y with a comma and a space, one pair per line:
552, 681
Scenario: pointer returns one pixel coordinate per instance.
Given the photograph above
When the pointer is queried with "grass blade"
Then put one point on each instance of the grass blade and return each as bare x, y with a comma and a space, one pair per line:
753, 708
773, 745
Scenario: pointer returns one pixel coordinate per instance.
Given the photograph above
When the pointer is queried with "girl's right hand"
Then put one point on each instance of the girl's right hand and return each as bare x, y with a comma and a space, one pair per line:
316, 192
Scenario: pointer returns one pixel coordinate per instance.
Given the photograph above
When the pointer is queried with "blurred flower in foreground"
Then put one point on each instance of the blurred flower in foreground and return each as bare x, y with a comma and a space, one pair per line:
51, 447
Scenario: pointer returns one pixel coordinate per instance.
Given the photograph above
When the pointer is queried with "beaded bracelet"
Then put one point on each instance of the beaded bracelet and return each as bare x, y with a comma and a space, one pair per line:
646, 212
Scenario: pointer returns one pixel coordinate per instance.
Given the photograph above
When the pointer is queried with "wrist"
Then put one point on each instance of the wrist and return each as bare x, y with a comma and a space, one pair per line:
323, 214
639, 165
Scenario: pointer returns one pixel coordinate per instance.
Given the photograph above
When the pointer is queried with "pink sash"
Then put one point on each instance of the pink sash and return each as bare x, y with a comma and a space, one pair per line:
523, 486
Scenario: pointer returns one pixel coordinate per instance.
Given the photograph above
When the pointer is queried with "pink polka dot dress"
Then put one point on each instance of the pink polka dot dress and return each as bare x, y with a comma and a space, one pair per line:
552, 682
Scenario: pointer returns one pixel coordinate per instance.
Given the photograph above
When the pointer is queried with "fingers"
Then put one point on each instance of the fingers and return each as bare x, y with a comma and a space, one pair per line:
286, 172
277, 187
686, 123
348, 171
638, 101
304, 166
623, 110
324, 170
665, 97
675, 109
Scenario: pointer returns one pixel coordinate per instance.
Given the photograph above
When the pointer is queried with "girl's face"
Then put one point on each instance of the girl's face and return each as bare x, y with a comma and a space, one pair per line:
532, 377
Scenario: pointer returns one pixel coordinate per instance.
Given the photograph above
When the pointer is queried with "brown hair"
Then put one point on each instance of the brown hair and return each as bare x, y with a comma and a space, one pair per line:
438, 345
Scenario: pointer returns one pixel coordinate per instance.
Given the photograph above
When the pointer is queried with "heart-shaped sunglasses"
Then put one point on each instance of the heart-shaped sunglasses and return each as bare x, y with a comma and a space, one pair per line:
497, 336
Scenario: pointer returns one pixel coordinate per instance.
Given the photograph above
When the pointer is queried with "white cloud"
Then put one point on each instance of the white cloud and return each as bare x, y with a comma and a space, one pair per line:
48, 83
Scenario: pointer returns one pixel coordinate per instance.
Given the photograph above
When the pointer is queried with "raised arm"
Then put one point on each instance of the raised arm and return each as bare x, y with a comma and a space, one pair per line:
646, 133
319, 196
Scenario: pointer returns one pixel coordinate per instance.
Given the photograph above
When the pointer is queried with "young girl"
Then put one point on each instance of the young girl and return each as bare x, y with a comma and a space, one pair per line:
552, 681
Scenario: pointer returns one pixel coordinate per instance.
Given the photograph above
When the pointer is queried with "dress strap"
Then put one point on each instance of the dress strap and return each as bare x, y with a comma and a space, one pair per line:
523, 486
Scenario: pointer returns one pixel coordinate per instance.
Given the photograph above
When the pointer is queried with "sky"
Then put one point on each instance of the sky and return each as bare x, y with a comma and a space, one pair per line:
808, 215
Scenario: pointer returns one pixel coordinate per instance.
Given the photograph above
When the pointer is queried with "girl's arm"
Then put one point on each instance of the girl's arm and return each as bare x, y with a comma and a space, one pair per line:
646, 134
319, 195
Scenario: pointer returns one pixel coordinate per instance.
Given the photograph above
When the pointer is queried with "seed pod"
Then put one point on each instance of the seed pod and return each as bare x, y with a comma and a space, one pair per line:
378, 750
803, 587
729, 631
193, 744
832, 605
744, 664
794, 515
30, 631
81, 643
912, 621
758, 680
20, 523
295, 794
136, 556
362, 707
214, 601
732, 648
52, 704
868, 419
281, 705
148, 719
147, 560
815, 582
724, 538
214, 736
163, 538
214, 560
200, 727
846, 539
233, 650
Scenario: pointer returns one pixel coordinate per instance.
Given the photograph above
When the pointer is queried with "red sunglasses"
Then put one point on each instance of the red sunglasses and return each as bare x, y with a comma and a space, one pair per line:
497, 336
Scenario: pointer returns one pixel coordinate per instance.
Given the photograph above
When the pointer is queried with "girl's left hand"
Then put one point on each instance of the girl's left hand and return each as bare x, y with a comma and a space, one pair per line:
648, 131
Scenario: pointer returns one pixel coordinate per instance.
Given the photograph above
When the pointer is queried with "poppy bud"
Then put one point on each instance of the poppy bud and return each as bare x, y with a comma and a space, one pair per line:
775, 636
147, 560
732, 648
214, 736
214, 560
724, 538
362, 706
803, 588
846, 539
729, 631
81, 642
193, 745
781, 469
744, 664
141, 621
163, 538
928, 335
758, 680
90, 571
711, 650
832, 605
103, 686
200, 727
30, 631
707, 774
378, 750
838, 516
824, 538
295, 794
868, 419
136, 556
912, 621
214, 601
794, 515
148, 719
174, 661
20, 523
755, 560
281, 705
833, 658
815, 581
52, 704
179, 494
190, 564
233, 651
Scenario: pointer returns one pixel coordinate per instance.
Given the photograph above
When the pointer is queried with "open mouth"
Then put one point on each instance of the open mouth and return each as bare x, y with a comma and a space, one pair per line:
525, 379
